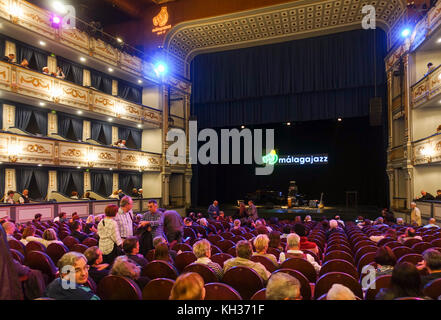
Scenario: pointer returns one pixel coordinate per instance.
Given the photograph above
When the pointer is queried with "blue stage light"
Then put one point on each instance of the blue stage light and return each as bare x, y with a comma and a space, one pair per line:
405, 33
161, 68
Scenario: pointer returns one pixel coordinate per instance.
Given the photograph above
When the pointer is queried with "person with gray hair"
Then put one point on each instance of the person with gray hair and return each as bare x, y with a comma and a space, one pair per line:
415, 214
431, 224
124, 217
293, 251
202, 251
74, 274
400, 222
379, 222
282, 286
9, 230
432, 263
340, 292
125, 267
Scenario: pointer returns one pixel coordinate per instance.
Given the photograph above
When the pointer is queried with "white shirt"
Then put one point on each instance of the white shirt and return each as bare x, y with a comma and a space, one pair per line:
125, 223
309, 258
108, 232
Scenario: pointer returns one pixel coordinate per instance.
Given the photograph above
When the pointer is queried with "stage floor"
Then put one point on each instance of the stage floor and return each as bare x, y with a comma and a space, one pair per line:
346, 214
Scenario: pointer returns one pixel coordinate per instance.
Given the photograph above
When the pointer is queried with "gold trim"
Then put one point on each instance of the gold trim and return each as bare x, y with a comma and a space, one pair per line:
72, 153
35, 82
37, 148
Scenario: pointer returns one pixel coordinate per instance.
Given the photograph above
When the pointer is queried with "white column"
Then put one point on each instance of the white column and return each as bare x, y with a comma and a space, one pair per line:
114, 87
114, 134
10, 48
87, 184
52, 123
115, 181
51, 64
86, 130
10, 180
8, 116
187, 190
52, 186
86, 78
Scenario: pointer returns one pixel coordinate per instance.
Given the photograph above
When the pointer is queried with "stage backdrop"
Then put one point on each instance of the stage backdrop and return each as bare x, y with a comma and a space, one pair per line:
311, 82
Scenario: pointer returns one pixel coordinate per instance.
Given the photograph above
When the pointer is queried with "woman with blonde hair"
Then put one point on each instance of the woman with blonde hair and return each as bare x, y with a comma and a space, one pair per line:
188, 286
125, 267
49, 236
261, 243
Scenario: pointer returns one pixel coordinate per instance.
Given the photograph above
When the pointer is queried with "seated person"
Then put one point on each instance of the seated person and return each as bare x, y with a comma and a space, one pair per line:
261, 228
9, 230
124, 267
379, 222
45, 70
426, 196
430, 68
9, 197
202, 251
274, 241
29, 235
409, 234
157, 240
74, 217
286, 231
98, 269
188, 286
135, 193
282, 286
77, 232
87, 196
308, 219
114, 195
37, 218
74, 195
431, 224
385, 260
49, 236
438, 194
122, 144
24, 63
293, 251
24, 198
432, 263
61, 217
71, 262
60, 74
9, 58
188, 222
161, 253
390, 233
300, 230
405, 282
334, 227
244, 251
341, 222
400, 222
90, 225
131, 249
340, 292
261, 244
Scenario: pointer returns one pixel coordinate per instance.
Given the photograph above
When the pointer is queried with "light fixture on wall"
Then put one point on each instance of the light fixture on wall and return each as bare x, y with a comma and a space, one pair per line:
14, 150
56, 92
91, 159
16, 11
143, 164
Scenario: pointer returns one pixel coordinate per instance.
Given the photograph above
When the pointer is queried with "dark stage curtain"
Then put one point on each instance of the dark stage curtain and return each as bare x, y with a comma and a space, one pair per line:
98, 178
63, 177
72, 71
2, 46
96, 129
25, 175
66, 121
25, 51
311, 79
101, 81
63, 181
129, 91
125, 179
1, 112
41, 119
23, 116
124, 133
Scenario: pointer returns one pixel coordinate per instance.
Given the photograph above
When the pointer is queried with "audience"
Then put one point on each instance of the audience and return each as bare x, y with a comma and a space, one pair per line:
431, 224
110, 240
385, 260
300, 230
77, 264
202, 251
173, 226
293, 251
77, 232
9, 228
24, 198
432, 263
244, 251
162, 253
261, 243
9, 197
188, 286
282, 286
409, 234
340, 292
274, 240
131, 249
74, 195
114, 195
124, 267
405, 282
87, 196
62, 217
98, 270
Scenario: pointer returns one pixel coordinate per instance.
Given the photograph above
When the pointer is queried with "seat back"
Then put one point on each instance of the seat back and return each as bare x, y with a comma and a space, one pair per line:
365, 260
325, 282
220, 291
203, 270
56, 251
184, 259
17, 245
401, 251
410, 242
220, 258
274, 251
224, 245
17, 255
118, 288
41, 261
339, 265
79, 248
90, 242
301, 265
158, 289
363, 250
215, 249
433, 289
420, 247
243, 279
267, 263
35, 246
259, 295
70, 241
182, 246
413, 258
159, 269
379, 283
337, 254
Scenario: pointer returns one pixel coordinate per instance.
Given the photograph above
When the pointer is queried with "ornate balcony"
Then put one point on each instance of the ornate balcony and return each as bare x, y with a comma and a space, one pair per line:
427, 88
17, 148
427, 150
37, 85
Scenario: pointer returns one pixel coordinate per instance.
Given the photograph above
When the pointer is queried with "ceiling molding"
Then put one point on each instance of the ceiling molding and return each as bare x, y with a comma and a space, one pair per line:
278, 23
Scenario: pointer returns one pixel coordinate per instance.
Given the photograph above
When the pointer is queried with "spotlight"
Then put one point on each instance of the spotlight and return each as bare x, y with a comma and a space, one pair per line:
119, 40
139, 81
439, 40
110, 169
288, 123
405, 33
59, 7
242, 127
78, 167
82, 59
39, 164
339, 119
110, 119
42, 43
56, 21
160, 68
110, 70
139, 125
42, 104
80, 112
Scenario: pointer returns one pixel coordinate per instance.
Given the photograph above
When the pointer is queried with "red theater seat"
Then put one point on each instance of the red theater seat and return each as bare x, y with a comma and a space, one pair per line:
203, 270
118, 288
325, 282
56, 251
301, 265
158, 289
159, 269
220, 258
220, 291
245, 280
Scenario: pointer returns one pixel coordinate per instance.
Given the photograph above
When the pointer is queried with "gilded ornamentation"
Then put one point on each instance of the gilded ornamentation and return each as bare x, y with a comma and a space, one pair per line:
153, 161
438, 146
3, 73
151, 115
75, 35
36, 18
105, 101
131, 109
37, 148
72, 153
74, 93
35, 82
106, 156
130, 158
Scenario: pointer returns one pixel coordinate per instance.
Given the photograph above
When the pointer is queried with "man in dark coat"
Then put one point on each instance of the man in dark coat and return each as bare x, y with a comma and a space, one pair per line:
173, 226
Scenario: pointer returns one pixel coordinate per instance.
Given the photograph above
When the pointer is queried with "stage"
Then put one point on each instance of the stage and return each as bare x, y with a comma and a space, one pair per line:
346, 214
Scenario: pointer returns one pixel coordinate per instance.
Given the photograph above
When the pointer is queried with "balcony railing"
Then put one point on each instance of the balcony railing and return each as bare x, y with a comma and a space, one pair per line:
22, 149
427, 150
427, 88
37, 85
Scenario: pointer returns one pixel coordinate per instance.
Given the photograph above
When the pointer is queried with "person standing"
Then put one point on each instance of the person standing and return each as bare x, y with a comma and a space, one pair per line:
252, 210
124, 217
173, 226
213, 209
110, 241
415, 214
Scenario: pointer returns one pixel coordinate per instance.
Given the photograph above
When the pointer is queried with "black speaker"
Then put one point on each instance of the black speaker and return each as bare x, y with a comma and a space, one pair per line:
375, 111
